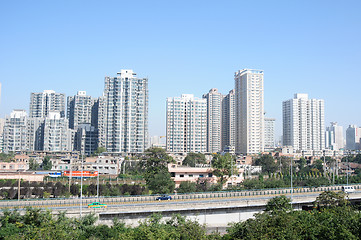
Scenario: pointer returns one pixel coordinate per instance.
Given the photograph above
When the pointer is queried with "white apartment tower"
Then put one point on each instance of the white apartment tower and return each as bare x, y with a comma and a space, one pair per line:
334, 137
123, 113
35, 133
269, 133
57, 136
2, 123
249, 98
214, 120
86, 141
43, 103
79, 109
228, 120
304, 123
15, 132
186, 124
353, 138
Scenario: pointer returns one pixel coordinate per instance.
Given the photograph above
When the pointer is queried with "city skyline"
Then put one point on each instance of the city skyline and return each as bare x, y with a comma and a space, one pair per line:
318, 55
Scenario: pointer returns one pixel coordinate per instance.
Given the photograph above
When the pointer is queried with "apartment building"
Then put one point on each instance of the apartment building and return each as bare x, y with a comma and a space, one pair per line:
123, 113
15, 132
81, 109
269, 133
304, 123
186, 124
214, 120
228, 121
249, 102
41, 104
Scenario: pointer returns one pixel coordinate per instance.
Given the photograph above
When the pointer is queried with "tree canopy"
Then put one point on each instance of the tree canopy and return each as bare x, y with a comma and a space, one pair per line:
156, 173
329, 199
279, 203
267, 162
339, 222
223, 166
46, 163
194, 158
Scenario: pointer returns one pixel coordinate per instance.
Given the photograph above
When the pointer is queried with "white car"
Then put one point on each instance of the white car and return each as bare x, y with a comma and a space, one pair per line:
348, 189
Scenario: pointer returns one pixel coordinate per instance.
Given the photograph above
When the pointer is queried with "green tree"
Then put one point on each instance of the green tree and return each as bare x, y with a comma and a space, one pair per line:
161, 183
268, 164
100, 150
186, 187
253, 184
318, 164
335, 223
156, 174
33, 165
302, 164
194, 158
283, 163
46, 163
329, 199
223, 166
6, 157
279, 203
357, 158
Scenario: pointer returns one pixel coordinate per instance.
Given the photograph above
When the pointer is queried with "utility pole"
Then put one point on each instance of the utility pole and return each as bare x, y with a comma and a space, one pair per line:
81, 186
324, 163
19, 186
70, 174
347, 167
333, 175
291, 180
98, 180
232, 170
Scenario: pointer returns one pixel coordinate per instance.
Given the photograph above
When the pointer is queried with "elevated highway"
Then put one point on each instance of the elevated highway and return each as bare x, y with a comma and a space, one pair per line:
215, 210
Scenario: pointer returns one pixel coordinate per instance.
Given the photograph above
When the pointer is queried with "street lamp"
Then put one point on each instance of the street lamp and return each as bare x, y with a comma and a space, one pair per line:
81, 186
98, 180
291, 180
347, 167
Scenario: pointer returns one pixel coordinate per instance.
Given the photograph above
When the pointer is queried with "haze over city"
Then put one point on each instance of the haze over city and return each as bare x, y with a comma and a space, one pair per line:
184, 47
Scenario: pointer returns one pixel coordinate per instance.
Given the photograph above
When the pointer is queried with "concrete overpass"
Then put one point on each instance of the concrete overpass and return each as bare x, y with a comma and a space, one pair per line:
215, 210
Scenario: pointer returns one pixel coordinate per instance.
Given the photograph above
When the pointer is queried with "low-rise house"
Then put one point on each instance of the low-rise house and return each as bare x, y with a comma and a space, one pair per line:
106, 165
25, 176
13, 166
193, 174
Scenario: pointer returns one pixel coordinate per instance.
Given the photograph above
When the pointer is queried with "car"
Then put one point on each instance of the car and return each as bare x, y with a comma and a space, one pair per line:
164, 197
348, 189
97, 205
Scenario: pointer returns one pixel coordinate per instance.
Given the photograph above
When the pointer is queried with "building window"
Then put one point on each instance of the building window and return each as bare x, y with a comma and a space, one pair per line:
182, 175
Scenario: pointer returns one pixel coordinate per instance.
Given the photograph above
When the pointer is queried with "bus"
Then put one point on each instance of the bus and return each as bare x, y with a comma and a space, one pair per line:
78, 174
52, 174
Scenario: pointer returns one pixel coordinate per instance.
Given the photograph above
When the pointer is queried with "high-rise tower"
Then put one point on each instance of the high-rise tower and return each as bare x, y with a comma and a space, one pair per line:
186, 124
249, 111
353, 137
123, 113
228, 120
80, 109
214, 120
48, 101
269, 133
15, 132
304, 123
334, 137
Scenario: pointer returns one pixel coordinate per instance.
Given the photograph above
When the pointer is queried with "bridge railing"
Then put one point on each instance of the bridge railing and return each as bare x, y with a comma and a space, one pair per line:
149, 198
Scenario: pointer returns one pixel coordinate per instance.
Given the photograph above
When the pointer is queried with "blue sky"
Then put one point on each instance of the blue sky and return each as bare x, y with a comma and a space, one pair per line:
304, 46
